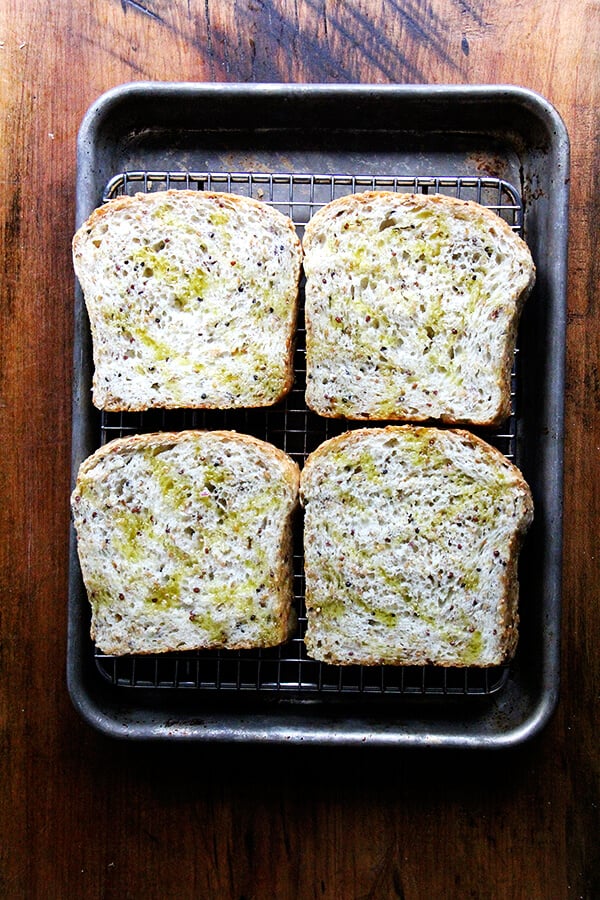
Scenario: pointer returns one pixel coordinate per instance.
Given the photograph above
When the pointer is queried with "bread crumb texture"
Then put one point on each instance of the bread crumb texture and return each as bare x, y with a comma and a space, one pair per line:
412, 537
192, 300
184, 542
412, 308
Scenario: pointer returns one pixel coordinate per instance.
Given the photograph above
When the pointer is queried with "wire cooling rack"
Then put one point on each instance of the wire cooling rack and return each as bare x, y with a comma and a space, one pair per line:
286, 671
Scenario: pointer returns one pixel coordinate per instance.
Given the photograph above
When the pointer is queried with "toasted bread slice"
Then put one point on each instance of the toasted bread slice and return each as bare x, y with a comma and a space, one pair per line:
184, 542
192, 300
412, 537
412, 308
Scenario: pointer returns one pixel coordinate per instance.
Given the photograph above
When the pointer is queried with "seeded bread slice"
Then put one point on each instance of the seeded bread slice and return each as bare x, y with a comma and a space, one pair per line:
412, 537
192, 300
412, 308
184, 542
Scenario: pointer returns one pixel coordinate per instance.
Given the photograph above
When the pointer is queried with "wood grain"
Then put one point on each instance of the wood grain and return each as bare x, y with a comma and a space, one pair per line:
81, 816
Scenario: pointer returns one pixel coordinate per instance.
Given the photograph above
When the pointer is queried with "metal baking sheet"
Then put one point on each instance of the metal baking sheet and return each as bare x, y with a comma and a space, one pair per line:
298, 147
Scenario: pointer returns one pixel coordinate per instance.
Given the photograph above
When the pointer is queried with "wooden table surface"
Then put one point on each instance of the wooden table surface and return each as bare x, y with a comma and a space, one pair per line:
85, 816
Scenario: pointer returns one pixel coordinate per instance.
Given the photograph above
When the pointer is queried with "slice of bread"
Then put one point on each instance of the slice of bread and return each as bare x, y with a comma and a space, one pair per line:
185, 542
412, 537
192, 299
412, 307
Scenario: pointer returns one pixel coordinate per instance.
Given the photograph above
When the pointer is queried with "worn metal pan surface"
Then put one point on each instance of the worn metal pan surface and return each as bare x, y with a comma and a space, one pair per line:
298, 146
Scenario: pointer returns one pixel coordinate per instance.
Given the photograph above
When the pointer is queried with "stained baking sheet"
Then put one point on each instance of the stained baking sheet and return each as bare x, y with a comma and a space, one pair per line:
281, 688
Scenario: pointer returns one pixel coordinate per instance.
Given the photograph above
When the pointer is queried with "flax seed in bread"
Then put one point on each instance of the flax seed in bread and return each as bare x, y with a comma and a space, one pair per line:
192, 300
185, 542
412, 308
412, 538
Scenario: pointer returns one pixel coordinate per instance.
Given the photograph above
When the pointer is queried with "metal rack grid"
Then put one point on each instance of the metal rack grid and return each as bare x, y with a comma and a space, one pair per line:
286, 671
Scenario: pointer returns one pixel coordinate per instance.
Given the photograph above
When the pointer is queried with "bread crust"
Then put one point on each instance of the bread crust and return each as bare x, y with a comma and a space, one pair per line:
343, 615
352, 310
162, 439
127, 541
197, 364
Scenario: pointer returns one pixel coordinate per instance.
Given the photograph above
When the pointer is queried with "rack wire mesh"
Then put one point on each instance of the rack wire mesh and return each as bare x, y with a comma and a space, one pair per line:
286, 671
